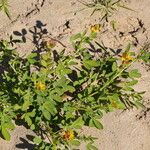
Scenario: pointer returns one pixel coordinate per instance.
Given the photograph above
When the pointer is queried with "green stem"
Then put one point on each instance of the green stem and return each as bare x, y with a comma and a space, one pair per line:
48, 136
113, 78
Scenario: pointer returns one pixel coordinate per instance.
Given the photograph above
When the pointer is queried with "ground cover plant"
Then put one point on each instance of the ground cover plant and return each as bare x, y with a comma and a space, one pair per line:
56, 94
4, 7
105, 7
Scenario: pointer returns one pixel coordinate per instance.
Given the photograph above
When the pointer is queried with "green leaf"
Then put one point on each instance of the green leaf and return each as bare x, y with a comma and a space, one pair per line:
27, 117
45, 56
31, 114
28, 120
31, 58
75, 37
91, 63
86, 40
17, 107
75, 142
32, 127
5, 133
134, 74
114, 66
78, 123
131, 83
91, 147
95, 123
32, 55
48, 148
56, 98
69, 115
49, 106
26, 105
9, 125
72, 63
138, 104
37, 140
46, 114
44, 63
93, 35
128, 88
71, 89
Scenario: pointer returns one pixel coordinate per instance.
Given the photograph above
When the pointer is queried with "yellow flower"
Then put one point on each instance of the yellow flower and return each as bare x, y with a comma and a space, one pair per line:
95, 28
40, 86
69, 135
126, 58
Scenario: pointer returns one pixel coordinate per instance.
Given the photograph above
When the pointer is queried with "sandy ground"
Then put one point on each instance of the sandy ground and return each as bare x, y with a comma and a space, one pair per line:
128, 130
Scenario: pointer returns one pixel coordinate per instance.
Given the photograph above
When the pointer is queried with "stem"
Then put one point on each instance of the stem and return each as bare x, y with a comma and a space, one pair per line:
48, 129
113, 78
48, 138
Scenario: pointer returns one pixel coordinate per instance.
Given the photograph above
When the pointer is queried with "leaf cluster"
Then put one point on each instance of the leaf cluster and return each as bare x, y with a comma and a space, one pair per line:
105, 7
57, 96
4, 7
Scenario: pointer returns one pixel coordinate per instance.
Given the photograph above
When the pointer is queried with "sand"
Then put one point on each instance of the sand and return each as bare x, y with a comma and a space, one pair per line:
123, 130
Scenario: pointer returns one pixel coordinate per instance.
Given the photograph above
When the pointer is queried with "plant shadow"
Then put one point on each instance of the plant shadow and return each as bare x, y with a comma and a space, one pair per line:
25, 143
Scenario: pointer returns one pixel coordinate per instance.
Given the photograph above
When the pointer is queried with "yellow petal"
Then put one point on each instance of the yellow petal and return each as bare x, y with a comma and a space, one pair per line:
95, 28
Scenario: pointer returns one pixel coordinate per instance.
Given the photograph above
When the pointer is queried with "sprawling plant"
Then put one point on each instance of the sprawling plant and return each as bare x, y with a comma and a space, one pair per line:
4, 7
56, 93
105, 7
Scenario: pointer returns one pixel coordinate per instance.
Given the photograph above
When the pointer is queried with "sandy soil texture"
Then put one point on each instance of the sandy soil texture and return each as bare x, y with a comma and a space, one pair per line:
127, 130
